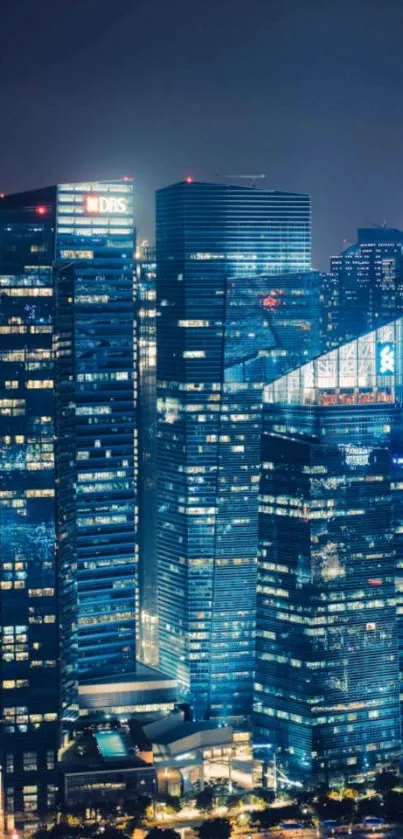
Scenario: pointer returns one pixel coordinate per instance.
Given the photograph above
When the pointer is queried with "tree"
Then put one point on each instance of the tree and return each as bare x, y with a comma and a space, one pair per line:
57, 831
369, 807
113, 833
385, 781
233, 801
136, 806
107, 809
262, 796
265, 819
393, 805
205, 799
161, 833
173, 804
215, 829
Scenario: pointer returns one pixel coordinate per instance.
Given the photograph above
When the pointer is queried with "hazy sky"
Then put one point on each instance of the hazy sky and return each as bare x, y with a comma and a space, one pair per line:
307, 91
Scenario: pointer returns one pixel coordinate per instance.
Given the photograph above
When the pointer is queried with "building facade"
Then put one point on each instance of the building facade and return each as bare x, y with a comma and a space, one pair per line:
95, 235
147, 433
217, 249
364, 288
327, 670
68, 523
293, 305
29, 695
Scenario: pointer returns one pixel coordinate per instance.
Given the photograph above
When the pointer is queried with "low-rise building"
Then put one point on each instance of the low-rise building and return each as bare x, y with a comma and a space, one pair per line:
190, 753
146, 691
106, 765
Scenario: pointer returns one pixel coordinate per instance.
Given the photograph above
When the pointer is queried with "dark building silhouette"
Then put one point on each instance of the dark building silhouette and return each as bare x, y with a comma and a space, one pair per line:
365, 286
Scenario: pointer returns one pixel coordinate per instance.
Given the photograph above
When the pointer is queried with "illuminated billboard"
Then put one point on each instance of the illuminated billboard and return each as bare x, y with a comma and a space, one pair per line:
106, 205
385, 359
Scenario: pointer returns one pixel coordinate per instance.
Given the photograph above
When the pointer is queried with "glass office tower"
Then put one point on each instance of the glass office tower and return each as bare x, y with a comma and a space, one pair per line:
327, 669
94, 234
29, 694
365, 286
293, 308
147, 430
217, 247
68, 524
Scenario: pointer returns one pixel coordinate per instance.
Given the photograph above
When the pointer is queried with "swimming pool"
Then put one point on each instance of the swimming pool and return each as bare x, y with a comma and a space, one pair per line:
111, 744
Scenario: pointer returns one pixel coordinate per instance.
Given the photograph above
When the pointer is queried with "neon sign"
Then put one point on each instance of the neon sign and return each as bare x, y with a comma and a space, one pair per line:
385, 359
105, 205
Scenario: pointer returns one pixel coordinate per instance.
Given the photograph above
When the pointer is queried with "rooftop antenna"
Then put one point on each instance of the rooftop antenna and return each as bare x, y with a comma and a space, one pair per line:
377, 226
251, 178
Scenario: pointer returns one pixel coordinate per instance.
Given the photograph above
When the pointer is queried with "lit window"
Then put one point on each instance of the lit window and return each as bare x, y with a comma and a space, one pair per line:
30, 762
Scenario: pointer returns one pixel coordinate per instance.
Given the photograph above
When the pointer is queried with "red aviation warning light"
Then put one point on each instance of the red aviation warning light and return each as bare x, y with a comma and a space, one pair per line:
41, 210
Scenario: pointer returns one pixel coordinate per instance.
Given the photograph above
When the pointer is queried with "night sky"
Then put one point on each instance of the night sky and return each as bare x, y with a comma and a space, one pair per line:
307, 91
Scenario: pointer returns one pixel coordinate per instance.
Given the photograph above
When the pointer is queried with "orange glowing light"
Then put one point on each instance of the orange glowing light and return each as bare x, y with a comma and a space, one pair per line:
270, 302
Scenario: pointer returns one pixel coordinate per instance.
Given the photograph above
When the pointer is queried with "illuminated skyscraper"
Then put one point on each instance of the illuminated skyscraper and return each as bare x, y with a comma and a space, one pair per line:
68, 524
218, 247
327, 671
29, 694
147, 431
365, 286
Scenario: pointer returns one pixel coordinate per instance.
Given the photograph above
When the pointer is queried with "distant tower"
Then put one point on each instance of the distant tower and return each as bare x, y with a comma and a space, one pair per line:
365, 286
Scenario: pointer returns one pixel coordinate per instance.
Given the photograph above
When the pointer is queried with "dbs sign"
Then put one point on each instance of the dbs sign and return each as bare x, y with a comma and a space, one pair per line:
105, 205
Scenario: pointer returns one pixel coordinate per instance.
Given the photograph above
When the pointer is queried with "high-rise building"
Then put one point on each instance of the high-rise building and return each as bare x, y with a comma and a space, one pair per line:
29, 685
217, 249
68, 523
327, 669
365, 286
147, 437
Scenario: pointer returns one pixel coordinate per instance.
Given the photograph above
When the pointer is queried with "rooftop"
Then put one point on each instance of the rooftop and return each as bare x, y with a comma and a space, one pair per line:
368, 370
138, 677
107, 747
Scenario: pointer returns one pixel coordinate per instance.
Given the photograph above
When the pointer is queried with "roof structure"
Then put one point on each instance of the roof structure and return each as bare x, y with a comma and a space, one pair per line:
366, 370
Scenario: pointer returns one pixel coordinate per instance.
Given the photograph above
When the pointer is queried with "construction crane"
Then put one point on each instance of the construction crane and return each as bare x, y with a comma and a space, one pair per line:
251, 178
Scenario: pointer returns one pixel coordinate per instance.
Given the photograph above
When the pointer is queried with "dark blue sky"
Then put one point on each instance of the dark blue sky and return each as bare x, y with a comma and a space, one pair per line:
307, 91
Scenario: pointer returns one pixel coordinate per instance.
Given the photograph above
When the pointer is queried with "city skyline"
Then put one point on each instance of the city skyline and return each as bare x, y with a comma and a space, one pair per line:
201, 417
198, 493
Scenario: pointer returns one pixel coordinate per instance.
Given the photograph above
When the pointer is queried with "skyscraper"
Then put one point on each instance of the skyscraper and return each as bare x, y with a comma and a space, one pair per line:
69, 520
29, 694
217, 249
365, 286
147, 432
327, 669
